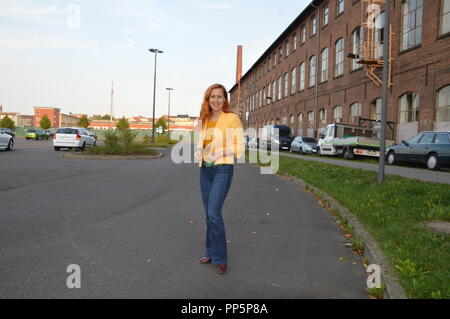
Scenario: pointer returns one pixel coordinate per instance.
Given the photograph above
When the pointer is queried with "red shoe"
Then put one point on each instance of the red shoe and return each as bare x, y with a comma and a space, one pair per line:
205, 260
221, 269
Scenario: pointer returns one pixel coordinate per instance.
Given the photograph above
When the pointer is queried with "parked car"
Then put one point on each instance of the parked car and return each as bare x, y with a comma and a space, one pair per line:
8, 131
429, 148
253, 143
32, 134
6, 141
92, 133
72, 137
304, 144
51, 132
269, 137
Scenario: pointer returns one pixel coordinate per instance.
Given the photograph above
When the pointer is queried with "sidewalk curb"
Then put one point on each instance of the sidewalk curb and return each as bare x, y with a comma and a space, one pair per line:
111, 157
371, 250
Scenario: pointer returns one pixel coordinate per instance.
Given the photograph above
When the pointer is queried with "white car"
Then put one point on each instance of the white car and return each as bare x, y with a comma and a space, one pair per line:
72, 137
6, 141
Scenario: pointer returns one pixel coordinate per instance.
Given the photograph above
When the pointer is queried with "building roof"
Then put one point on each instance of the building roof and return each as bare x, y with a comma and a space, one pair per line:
282, 37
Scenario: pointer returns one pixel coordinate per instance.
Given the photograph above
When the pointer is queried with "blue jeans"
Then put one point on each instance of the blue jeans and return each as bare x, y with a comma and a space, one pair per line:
215, 182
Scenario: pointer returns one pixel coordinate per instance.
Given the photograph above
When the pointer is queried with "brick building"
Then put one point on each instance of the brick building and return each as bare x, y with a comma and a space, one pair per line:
305, 79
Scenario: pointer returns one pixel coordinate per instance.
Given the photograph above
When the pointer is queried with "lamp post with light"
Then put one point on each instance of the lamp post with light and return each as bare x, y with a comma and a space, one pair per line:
155, 51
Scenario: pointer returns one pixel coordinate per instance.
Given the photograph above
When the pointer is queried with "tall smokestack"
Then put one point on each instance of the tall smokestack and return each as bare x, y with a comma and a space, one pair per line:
239, 64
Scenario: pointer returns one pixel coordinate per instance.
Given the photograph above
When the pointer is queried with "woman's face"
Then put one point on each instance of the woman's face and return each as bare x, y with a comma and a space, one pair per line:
217, 99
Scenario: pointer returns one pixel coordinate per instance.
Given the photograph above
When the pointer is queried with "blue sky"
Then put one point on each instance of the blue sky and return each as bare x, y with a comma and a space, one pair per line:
67, 53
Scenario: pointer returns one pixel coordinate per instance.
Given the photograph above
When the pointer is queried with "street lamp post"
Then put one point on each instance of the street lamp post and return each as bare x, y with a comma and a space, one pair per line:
168, 115
156, 51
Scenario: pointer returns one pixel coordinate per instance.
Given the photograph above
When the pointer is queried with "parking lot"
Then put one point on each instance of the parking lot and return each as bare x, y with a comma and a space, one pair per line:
136, 229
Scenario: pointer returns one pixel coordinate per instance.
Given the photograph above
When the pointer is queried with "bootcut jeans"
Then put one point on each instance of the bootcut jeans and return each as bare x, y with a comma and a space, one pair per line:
215, 182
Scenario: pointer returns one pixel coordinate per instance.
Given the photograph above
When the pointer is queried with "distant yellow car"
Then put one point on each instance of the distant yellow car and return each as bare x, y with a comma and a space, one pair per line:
37, 135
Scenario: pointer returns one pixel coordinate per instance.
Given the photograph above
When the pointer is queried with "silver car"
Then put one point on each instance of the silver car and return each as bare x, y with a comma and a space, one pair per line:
6, 141
72, 137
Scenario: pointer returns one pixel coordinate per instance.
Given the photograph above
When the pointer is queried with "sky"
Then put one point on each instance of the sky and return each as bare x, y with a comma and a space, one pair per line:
66, 54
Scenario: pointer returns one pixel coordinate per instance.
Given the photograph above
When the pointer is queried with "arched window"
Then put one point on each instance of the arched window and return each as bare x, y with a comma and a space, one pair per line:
286, 84
375, 110
357, 47
274, 90
379, 35
322, 118
409, 108
302, 76
280, 80
313, 25
294, 80
312, 71
311, 119
284, 120
337, 114
445, 17
300, 125
339, 59
324, 69
443, 105
355, 112
412, 14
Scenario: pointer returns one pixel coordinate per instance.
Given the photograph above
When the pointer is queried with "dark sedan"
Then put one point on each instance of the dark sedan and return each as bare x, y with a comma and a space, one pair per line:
429, 148
304, 144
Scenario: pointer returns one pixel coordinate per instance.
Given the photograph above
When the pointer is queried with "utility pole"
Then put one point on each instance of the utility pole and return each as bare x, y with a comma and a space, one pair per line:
386, 57
168, 115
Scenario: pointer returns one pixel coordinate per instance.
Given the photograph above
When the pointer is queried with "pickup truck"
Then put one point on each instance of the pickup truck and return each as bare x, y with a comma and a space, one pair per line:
351, 140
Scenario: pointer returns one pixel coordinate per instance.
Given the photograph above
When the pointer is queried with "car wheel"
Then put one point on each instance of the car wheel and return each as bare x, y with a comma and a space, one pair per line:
391, 158
82, 148
319, 151
433, 162
56, 148
10, 145
348, 153
300, 150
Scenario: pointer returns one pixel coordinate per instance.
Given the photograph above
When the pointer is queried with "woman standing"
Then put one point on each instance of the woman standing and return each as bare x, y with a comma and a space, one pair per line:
221, 141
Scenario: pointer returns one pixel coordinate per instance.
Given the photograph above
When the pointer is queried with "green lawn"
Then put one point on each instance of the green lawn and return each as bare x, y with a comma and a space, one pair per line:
393, 213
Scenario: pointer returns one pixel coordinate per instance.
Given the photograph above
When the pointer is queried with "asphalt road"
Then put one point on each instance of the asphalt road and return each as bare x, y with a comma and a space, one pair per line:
136, 229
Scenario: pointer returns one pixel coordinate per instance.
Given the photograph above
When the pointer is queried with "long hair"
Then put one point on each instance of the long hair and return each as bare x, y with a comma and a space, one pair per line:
206, 109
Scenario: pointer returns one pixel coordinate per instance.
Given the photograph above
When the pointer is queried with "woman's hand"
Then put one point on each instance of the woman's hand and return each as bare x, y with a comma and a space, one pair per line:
212, 157
198, 155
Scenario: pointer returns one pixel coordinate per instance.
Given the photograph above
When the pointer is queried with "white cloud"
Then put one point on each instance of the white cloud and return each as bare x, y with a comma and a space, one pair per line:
24, 42
22, 9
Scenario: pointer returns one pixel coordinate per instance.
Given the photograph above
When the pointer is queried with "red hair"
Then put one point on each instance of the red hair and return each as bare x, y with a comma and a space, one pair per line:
206, 109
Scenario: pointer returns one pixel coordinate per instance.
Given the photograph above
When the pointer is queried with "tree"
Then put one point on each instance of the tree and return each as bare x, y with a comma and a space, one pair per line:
161, 122
6, 122
84, 122
45, 122
123, 124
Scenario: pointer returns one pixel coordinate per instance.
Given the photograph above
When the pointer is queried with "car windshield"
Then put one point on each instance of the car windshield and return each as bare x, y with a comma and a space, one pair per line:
414, 139
309, 140
285, 133
67, 131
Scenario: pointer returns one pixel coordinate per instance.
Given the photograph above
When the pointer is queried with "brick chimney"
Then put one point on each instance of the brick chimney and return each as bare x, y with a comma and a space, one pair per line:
239, 64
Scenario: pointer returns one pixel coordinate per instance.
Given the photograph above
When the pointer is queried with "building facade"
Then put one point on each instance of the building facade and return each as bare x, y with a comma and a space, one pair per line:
306, 80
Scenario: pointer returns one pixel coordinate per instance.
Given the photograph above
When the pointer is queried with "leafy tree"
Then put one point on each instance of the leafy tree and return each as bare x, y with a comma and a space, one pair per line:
6, 122
45, 122
161, 122
107, 117
123, 124
84, 122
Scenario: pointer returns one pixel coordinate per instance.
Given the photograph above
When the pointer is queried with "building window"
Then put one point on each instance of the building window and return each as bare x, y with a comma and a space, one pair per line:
409, 108
274, 59
445, 17
357, 47
412, 12
279, 87
281, 55
310, 119
375, 110
313, 25
264, 97
274, 90
355, 112
294, 40
300, 121
269, 92
294, 81
303, 36
287, 48
261, 100
324, 69
339, 63
312, 71
443, 105
340, 7
302, 76
326, 11
286, 85
379, 35
322, 118
337, 114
